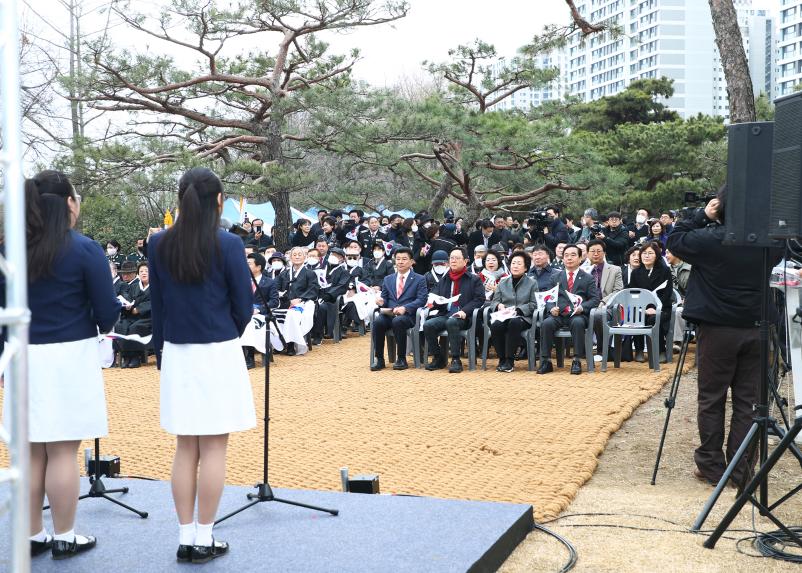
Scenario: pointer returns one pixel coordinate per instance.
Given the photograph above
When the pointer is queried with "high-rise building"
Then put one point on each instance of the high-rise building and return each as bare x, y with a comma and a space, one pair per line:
671, 38
789, 47
532, 97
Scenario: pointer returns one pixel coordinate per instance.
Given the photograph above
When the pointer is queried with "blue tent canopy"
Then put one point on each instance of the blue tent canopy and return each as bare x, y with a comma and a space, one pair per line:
262, 211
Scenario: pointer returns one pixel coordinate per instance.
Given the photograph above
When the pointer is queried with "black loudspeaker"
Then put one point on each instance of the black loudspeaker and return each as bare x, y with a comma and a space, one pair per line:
748, 184
785, 220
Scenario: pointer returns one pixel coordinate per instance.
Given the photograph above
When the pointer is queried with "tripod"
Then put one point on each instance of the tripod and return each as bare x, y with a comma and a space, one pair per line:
98, 489
263, 490
672, 396
758, 431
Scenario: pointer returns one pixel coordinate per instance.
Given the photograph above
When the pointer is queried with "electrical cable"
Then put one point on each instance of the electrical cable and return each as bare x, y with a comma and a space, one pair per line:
572, 554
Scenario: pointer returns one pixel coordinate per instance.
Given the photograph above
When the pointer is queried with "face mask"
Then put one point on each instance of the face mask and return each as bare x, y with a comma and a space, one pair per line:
427, 225
335, 261
312, 262
640, 219
414, 228
478, 263
111, 251
439, 269
378, 254
277, 266
352, 263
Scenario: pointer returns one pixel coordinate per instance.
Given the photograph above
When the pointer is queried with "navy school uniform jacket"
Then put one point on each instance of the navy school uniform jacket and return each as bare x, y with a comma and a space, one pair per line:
77, 299
213, 310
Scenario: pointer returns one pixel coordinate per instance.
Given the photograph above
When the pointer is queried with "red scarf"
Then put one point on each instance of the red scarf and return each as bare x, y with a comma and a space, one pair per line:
455, 277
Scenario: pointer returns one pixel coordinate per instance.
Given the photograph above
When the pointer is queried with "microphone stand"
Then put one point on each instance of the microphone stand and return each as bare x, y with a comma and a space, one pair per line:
264, 492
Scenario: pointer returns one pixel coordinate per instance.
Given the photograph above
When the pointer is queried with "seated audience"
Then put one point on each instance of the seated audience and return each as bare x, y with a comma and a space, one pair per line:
517, 291
654, 275
567, 313
492, 273
267, 288
402, 294
454, 316
135, 319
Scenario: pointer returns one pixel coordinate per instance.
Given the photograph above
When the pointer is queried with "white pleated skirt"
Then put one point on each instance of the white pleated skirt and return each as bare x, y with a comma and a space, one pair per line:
205, 389
66, 399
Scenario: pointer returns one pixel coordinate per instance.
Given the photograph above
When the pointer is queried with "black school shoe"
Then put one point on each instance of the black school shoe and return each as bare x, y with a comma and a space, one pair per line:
66, 549
204, 554
39, 547
184, 553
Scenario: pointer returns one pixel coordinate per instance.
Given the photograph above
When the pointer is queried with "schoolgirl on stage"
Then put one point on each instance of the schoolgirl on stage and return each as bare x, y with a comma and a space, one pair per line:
71, 297
201, 301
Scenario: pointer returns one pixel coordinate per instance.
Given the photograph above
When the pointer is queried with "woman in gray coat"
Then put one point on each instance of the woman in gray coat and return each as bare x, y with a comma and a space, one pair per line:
517, 291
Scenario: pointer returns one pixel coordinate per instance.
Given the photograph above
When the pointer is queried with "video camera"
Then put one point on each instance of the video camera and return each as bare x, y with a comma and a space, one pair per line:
235, 228
537, 221
693, 202
596, 229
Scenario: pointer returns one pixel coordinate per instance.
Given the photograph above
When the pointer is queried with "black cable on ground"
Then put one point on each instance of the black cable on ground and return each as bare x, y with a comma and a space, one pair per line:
572, 554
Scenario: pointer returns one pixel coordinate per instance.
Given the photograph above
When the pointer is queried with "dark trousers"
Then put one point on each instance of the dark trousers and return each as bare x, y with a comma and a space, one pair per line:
399, 325
551, 324
128, 348
507, 336
729, 359
437, 324
350, 314
325, 315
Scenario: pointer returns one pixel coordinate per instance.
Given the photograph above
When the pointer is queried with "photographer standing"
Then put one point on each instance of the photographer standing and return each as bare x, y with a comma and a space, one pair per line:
556, 231
616, 239
723, 300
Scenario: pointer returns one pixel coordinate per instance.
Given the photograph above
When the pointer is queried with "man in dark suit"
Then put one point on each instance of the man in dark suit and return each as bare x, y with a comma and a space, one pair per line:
455, 316
565, 313
486, 236
268, 290
403, 293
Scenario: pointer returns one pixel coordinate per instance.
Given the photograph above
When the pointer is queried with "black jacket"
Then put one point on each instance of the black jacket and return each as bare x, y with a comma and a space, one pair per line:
337, 278
641, 278
303, 285
558, 233
374, 274
725, 283
476, 239
366, 240
267, 287
616, 242
471, 295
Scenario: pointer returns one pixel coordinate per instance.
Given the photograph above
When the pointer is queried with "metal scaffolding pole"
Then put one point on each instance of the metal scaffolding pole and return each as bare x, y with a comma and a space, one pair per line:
16, 316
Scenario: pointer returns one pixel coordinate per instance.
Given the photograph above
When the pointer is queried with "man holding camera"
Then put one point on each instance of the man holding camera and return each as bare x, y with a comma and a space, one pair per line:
723, 300
258, 238
615, 237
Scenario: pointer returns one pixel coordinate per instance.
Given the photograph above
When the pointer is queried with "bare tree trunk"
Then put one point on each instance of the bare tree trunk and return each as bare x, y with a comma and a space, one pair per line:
280, 199
733, 60
440, 196
474, 210
79, 169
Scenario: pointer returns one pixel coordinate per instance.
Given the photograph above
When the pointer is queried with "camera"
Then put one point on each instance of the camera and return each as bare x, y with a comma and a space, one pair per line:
691, 198
537, 221
596, 229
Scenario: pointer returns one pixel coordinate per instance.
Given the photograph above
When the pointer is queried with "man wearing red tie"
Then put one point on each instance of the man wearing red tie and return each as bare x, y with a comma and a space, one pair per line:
566, 313
403, 293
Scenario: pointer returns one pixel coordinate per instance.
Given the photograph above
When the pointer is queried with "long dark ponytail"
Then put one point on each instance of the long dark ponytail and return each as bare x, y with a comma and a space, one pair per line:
189, 245
47, 220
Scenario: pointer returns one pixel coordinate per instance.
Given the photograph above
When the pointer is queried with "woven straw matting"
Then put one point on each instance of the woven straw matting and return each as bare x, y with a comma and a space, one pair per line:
477, 435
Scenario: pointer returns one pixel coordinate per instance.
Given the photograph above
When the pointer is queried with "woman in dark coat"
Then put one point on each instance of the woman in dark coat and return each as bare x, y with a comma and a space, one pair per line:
654, 275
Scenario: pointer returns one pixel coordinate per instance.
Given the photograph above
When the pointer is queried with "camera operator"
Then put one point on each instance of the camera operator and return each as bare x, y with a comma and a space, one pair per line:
556, 231
615, 237
724, 303
258, 237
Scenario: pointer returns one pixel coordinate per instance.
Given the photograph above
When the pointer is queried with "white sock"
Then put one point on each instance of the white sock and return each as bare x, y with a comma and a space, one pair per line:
203, 535
41, 537
66, 536
186, 533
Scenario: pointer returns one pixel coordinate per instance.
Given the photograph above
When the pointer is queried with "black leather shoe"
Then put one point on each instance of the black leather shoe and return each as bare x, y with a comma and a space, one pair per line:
378, 365
291, 349
576, 367
39, 547
66, 549
184, 553
134, 362
545, 367
204, 554
437, 363
400, 364
456, 366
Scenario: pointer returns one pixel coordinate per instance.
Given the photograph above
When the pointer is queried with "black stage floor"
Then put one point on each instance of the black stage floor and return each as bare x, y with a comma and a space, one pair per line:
372, 533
